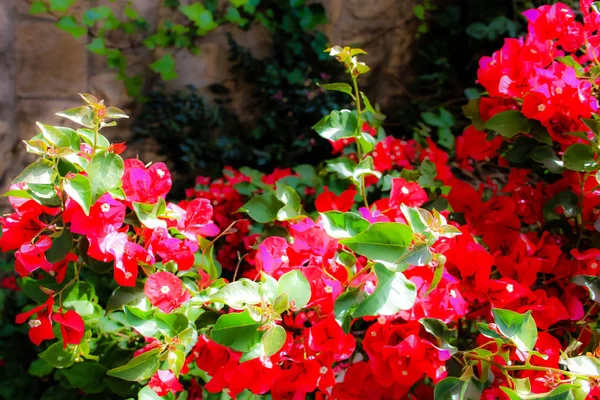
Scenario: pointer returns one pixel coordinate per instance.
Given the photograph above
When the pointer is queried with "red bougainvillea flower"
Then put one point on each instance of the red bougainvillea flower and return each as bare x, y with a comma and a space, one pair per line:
328, 201
164, 382
71, 327
407, 193
40, 327
126, 255
195, 220
165, 291
30, 257
145, 185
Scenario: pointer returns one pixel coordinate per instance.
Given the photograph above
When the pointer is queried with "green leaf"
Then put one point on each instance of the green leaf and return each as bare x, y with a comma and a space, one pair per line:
81, 297
176, 360
87, 376
237, 330
440, 330
57, 356
343, 225
580, 157
292, 207
382, 241
343, 166
339, 87
520, 328
584, 365
38, 7
393, 293
295, 284
79, 189
148, 214
592, 283
115, 113
273, 340
40, 368
61, 245
449, 389
570, 61
139, 368
141, 320
165, 66
471, 111
337, 125
68, 24
240, 293
125, 295
201, 16
104, 172
81, 115
345, 305
171, 324
508, 123
263, 208
365, 167
53, 135
546, 156
60, 5
40, 172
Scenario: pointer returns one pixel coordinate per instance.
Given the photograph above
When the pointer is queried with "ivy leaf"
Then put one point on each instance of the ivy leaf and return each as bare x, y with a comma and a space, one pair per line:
139, 368
104, 172
237, 330
201, 16
273, 340
382, 241
337, 125
508, 123
520, 328
79, 189
343, 225
580, 157
165, 66
296, 286
38, 7
263, 208
68, 24
393, 293
60, 5
339, 87
40, 172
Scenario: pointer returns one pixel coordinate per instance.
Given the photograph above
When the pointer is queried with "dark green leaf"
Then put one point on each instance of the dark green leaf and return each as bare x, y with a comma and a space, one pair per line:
124, 295
340, 87
263, 208
580, 157
237, 330
139, 368
57, 356
508, 123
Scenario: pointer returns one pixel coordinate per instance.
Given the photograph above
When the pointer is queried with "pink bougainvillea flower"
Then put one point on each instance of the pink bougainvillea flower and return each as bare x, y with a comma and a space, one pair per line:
165, 291
145, 185
71, 327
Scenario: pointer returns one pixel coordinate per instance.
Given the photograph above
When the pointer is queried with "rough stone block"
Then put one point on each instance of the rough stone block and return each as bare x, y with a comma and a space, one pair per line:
50, 62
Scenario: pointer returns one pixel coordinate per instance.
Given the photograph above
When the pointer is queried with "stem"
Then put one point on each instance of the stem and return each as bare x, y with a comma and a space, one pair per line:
96, 129
527, 367
362, 187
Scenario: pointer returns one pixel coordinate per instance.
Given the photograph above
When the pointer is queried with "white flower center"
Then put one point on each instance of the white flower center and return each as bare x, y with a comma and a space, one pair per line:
558, 90
404, 373
165, 289
105, 207
404, 190
382, 319
34, 323
128, 275
594, 265
452, 293
328, 289
160, 173
510, 288
285, 258
323, 370
541, 107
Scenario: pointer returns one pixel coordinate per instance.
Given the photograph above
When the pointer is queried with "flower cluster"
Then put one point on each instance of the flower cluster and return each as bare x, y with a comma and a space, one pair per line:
394, 271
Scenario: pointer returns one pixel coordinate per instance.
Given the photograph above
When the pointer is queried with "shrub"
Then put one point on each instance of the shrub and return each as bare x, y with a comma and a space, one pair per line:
440, 289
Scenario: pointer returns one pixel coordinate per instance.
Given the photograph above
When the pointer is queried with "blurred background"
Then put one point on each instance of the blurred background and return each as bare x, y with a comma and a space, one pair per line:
234, 82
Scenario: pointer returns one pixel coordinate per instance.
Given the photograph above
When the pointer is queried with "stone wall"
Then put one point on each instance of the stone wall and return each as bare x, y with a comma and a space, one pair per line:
43, 68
